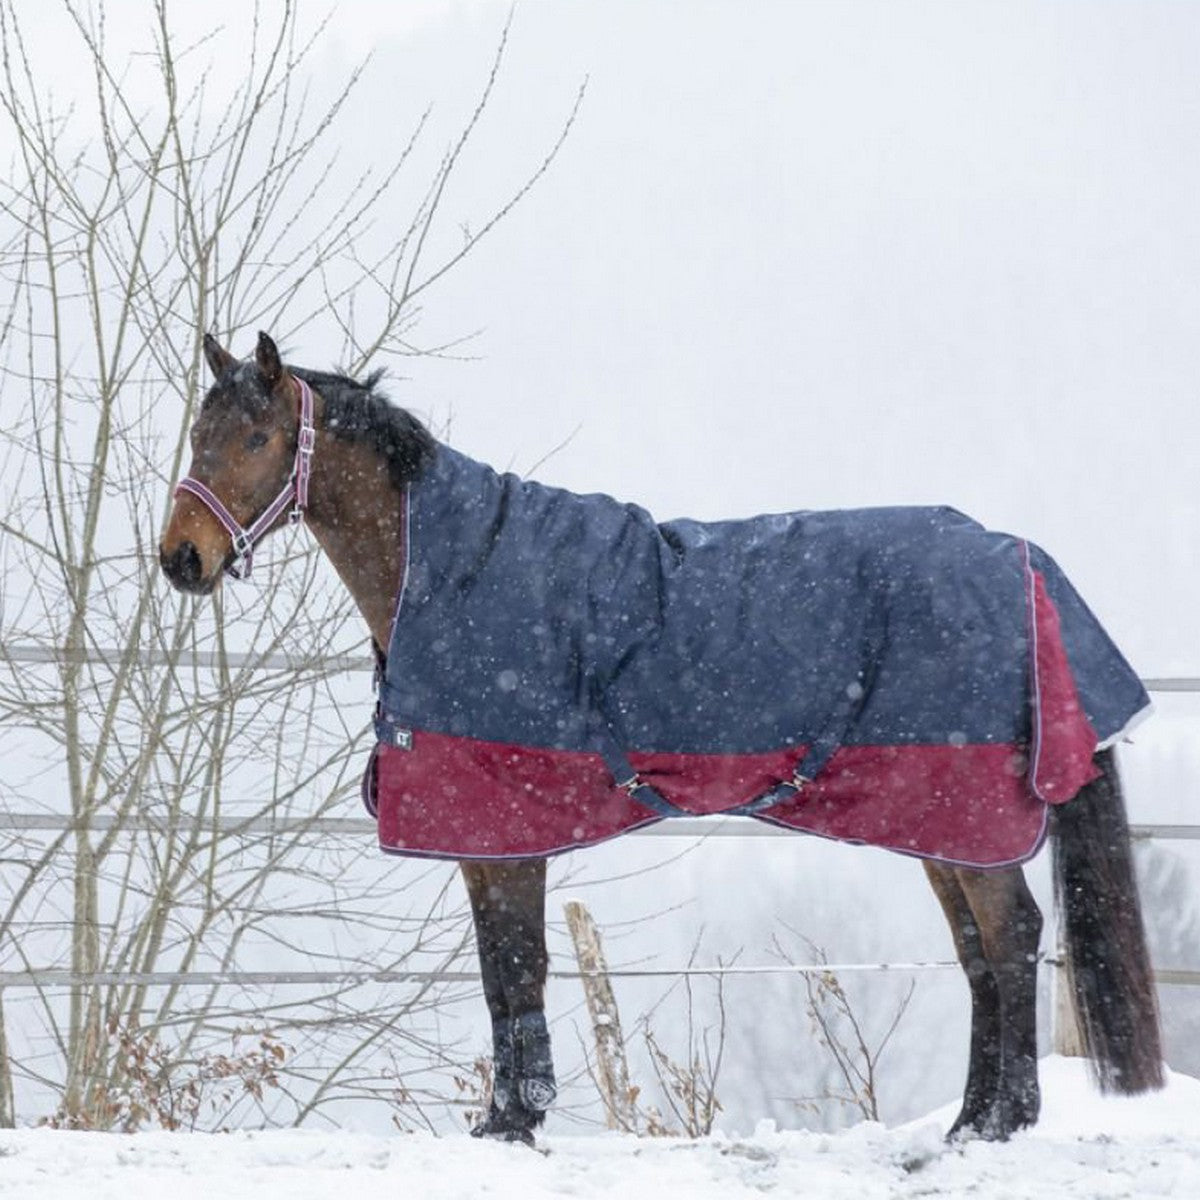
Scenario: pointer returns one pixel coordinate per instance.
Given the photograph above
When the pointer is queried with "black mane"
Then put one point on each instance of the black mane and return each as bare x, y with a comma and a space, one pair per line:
356, 412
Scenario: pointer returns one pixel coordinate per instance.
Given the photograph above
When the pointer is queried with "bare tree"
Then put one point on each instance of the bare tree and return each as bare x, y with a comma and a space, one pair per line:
185, 755
681, 1100
688, 1085
854, 1050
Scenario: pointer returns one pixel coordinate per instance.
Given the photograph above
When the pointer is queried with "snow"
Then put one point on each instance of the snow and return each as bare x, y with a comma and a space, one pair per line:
1085, 1147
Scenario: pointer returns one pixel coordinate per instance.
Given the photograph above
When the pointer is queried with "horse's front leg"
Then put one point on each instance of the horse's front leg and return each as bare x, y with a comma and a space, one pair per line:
508, 902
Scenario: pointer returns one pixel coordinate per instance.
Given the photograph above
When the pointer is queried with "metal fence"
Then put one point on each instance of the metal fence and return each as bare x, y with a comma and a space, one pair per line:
697, 827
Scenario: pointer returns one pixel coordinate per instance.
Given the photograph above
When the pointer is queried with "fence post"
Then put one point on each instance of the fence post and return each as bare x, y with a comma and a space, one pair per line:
1066, 1039
612, 1071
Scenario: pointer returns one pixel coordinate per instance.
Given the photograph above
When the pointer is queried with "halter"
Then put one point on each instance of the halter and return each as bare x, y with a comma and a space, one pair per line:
296, 489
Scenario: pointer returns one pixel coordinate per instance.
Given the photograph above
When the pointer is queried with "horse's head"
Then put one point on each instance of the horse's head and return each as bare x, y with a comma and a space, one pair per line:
244, 462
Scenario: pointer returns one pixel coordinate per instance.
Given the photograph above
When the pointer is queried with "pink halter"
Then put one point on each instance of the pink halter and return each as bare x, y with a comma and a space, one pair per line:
296, 489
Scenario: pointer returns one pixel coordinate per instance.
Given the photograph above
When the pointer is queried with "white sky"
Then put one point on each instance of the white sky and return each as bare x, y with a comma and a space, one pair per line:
821, 255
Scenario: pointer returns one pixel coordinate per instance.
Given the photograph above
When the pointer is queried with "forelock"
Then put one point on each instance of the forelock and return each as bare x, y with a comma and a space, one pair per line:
239, 389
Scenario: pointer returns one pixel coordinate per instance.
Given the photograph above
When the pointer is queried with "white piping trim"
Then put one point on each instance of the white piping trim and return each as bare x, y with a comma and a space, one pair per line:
1123, 734
925, 855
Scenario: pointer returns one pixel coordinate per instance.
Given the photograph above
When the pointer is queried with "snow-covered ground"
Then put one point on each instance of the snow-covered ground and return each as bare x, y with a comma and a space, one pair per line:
1085, 1147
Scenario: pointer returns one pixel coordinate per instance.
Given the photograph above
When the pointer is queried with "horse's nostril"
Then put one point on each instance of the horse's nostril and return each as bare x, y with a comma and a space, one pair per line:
182, 566
189, 562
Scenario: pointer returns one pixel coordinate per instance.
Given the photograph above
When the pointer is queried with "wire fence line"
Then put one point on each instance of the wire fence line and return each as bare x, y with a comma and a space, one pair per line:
716, 826
48, 977
693, 827
697, 827
151, 656
62, 977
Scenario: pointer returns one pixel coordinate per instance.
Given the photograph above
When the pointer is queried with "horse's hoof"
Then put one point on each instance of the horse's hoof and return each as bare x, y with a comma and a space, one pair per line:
967, 1125
997, 1124
959, 1135
485, 1129
508, 1124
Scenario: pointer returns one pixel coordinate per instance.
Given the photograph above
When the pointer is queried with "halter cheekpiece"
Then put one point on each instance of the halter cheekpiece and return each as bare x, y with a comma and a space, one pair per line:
294, 492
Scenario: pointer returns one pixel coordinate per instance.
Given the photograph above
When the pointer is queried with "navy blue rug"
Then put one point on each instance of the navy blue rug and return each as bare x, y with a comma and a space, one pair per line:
937, 684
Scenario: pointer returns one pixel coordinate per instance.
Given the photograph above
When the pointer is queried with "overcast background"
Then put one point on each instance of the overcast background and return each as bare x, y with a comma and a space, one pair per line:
805, 256
827, 255
810, 255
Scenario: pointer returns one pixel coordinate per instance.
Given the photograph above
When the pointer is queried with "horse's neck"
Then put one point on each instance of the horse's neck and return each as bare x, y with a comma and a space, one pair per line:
356, 515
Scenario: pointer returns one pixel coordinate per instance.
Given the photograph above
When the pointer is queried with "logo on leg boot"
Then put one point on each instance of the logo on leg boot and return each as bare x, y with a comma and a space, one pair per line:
537, 1094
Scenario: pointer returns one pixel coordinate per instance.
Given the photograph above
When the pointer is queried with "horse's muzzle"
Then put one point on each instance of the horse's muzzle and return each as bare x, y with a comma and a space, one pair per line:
185, 569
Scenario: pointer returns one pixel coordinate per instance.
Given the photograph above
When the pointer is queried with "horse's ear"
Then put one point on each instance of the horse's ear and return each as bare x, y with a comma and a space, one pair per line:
218, 358
266, 354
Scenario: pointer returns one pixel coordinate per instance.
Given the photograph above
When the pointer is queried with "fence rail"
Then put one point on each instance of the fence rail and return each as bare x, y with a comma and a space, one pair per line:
63, 977
694, 827
152, 656
690, 827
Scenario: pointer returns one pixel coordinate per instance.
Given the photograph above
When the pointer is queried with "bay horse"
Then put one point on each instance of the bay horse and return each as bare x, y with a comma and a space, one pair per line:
274, 443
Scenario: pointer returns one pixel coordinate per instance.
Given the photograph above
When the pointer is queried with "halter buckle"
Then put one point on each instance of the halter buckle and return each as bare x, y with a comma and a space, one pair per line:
243, 555
630, 785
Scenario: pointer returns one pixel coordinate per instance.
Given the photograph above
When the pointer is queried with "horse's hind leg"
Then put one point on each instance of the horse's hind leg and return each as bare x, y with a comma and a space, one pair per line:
508, 905
1010, 926
983, 1070
997, 926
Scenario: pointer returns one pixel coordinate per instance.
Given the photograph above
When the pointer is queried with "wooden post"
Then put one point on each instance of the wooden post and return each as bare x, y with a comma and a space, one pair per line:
612, 1071
1065, 1034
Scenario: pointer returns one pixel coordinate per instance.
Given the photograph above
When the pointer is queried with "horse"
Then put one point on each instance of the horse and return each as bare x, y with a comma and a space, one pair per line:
274, 443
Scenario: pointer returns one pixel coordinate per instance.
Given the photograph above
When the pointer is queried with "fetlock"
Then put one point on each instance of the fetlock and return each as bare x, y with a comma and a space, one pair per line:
534, 1066
523, 1085
504, 1066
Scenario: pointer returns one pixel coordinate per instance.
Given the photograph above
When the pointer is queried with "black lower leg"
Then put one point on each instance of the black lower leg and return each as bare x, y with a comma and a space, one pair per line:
508, 904
983, 1071
1021, 1097
1010, 925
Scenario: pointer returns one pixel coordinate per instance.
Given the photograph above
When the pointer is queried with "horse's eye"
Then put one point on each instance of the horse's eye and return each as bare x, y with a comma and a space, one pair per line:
256, 440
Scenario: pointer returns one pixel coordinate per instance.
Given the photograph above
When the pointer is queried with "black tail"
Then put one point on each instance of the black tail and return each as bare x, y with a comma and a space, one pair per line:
1107, 959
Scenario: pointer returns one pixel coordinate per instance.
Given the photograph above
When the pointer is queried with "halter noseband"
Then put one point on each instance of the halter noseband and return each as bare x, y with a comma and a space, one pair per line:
296, 489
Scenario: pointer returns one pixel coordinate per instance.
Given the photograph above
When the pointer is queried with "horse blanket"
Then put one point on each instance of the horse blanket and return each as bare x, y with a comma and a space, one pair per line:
562, 669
